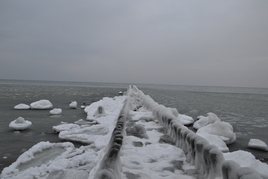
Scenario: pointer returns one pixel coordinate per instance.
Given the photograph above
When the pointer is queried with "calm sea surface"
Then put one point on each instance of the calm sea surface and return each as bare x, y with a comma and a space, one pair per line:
245, 108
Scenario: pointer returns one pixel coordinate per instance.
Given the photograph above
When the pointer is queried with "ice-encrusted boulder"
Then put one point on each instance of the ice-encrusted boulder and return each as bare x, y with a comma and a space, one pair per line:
55, 111
22, 106
257, 144
41, 104
20, 124
223, 130
206, 120
73, 105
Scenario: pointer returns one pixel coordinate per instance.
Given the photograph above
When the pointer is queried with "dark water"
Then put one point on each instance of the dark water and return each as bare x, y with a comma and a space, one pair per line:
245, 108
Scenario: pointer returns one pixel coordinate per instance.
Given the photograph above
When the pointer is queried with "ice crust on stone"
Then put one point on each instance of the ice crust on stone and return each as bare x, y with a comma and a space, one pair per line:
257, 144
22, 106
85, 135
52, 160
41, 104
206, 120
55, 111
20, 124
73, 105
223, 130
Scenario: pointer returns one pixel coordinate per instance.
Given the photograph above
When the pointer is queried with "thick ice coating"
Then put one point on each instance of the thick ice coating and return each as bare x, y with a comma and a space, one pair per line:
22, 106
73, 105
20, 124
41, 104
55, 111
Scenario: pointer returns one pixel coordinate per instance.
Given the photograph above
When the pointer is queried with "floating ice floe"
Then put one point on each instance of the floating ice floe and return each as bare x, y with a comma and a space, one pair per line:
223, 130
55, 111
73, 105
20, 124
53, 160
41, 104
22, 106
206, 120
257, 144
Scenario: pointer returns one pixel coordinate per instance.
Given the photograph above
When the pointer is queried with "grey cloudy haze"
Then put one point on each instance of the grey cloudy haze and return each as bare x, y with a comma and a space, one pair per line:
215, 43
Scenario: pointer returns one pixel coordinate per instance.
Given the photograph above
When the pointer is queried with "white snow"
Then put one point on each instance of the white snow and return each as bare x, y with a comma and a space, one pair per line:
22, 106
257, 144
55, 111
73, 105
20, 124
41, 104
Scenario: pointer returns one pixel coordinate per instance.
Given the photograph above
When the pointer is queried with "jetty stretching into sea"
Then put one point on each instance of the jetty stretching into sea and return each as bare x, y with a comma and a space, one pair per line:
131, 136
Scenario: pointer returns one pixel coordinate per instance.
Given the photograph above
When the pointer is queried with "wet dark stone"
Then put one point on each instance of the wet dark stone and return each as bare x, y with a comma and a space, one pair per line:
166, 139
137, 144
131, 175
137, 131
171, 169
177, 164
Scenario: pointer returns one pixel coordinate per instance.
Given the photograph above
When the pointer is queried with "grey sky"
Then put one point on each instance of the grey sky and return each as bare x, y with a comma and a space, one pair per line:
220, 43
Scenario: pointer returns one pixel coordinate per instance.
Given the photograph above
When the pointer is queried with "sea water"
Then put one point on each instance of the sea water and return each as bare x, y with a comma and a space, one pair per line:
245, 108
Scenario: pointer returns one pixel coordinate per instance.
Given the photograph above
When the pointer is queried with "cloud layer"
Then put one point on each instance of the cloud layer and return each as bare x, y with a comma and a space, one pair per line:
165, 42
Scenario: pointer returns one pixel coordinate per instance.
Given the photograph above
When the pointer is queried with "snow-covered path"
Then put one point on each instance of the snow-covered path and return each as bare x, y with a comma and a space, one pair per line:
148, 152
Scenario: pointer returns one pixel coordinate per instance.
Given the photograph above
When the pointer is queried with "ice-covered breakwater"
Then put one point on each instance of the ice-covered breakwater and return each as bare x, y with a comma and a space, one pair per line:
127, 137
208, 159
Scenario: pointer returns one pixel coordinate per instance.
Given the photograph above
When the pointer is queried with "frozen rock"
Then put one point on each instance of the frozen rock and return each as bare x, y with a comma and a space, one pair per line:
22, 106
215, 140
99, 112
65, 127
41, 104
206, 120
223, 130
137, 131
73, 105
52, 160
20, 124
85, 135
55, 111
185, 120
257, 144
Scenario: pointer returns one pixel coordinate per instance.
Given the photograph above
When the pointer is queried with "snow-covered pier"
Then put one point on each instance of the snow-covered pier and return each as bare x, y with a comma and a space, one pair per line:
130, 137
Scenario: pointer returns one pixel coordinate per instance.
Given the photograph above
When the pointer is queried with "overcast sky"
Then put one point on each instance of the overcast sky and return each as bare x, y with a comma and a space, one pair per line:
184, 42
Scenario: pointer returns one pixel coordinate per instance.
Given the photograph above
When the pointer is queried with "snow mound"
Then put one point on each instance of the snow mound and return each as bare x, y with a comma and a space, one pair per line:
257, 144
20, 124
55, 111
41, 104
22, 106
223, 130
73, 105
